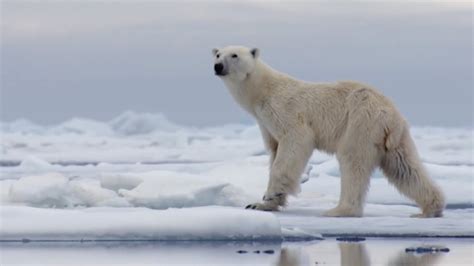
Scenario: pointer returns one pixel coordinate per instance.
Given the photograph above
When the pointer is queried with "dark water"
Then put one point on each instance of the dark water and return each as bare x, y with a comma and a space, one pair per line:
376, 251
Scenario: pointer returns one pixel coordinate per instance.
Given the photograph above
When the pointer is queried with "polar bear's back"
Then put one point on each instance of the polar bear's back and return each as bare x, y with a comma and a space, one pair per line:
348, 105
370, 111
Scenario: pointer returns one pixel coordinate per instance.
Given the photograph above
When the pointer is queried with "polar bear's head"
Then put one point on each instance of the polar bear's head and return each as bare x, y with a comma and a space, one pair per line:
234, 62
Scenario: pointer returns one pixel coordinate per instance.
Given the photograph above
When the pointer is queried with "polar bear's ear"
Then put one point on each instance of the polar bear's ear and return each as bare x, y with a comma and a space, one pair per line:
255, 52
215, 51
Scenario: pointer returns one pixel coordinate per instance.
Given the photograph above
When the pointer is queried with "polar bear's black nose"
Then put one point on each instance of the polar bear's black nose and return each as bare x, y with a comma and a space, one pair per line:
218, 68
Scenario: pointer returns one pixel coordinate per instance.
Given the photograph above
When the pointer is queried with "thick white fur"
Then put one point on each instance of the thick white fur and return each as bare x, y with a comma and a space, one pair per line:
350, 119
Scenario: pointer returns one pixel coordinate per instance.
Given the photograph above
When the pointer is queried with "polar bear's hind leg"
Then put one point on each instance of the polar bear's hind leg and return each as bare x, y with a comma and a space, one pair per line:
404, 170
358, 158
356, 167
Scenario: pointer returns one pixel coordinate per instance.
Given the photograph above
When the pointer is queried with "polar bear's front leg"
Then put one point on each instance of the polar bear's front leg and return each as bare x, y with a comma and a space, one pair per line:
291, 158
271, 144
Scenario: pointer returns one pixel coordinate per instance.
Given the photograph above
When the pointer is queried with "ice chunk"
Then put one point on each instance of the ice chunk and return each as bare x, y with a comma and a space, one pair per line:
82, 126
167, 189
204, 223
5, 186
131, 123
88, 192
33, 163
298, 234
21, 126
120, 181
49, 190
57, 191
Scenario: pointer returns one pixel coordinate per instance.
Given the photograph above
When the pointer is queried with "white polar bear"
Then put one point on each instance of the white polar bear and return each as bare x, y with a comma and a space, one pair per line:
354, 121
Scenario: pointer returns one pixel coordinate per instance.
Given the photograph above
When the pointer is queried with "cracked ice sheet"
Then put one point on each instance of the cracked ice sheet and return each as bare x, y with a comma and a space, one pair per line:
235, 183
220, 166
386, 214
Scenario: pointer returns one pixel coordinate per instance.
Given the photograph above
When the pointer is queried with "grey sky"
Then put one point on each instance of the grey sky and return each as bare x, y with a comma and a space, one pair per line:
96, 59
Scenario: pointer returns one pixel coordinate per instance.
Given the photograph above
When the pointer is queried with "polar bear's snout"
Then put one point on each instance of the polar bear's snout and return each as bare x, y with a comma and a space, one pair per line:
219, 69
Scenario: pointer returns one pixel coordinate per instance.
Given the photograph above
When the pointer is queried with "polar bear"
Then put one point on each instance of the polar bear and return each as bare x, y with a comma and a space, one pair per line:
350, 119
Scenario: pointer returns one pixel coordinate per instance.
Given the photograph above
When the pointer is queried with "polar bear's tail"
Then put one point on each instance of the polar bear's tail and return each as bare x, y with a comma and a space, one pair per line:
403, 168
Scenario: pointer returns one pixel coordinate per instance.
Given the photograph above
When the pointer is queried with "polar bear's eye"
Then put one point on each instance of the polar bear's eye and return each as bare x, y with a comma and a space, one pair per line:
217, 55
234, 56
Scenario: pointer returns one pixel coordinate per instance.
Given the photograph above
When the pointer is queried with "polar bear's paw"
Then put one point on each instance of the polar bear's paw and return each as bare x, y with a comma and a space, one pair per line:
271, 202
265, 206
342, 212
428, 215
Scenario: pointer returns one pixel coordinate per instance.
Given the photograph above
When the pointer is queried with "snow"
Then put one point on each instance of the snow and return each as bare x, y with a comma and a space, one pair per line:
137, 169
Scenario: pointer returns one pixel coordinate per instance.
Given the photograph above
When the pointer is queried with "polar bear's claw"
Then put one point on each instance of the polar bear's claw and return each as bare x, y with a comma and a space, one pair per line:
262, 207
251, 206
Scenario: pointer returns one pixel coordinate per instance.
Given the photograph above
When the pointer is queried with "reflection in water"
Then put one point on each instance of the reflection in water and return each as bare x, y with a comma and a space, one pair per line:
425, 259
292, 257
325, 253
354, 254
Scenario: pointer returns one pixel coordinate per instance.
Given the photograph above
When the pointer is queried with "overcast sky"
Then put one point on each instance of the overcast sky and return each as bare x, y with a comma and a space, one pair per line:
95, 59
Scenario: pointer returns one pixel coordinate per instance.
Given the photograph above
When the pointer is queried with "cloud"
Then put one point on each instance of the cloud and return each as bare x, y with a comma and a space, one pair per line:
63, 59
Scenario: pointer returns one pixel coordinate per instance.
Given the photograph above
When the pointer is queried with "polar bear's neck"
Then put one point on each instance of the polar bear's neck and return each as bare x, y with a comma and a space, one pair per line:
255, 88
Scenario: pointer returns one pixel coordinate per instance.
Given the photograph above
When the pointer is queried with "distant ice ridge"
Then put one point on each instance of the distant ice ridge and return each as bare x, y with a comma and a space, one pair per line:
126, 124
134, 136
129, 123
130, 137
